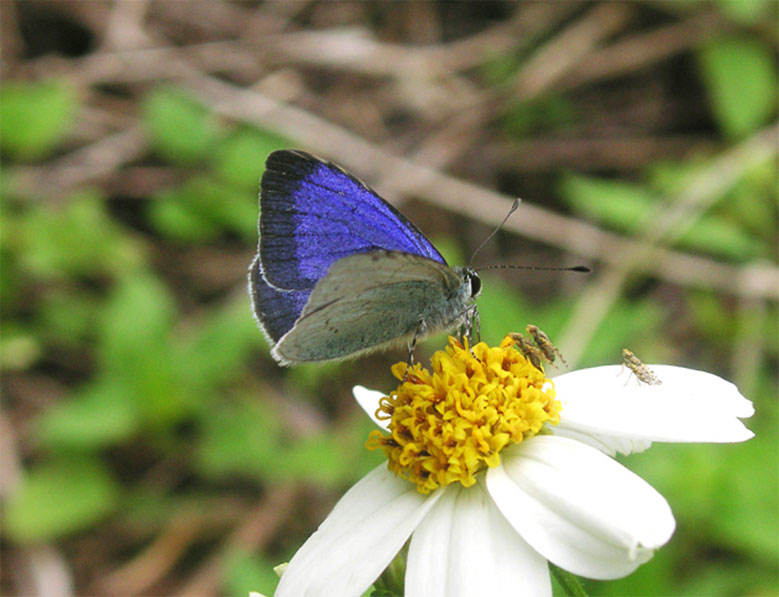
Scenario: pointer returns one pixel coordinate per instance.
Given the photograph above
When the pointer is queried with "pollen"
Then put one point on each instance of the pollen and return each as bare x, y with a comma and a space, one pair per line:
448, 424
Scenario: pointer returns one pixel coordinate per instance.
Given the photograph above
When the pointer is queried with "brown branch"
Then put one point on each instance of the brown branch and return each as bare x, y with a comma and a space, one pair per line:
410, 178
86, 164
570, 48
153, 563
642, 50
670, 220
403, 177
252, 534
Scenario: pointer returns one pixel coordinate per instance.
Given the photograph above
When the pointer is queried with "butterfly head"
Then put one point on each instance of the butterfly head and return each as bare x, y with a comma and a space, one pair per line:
473, 279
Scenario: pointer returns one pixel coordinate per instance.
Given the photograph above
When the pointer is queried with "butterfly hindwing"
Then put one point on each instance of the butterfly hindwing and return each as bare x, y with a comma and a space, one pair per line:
372, 300
276, 311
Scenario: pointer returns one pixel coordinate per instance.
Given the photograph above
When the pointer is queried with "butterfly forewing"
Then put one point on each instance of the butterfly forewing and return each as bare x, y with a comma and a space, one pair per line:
313, 213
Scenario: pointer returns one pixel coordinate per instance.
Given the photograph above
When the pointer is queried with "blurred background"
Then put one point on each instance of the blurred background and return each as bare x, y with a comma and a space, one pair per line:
150, 446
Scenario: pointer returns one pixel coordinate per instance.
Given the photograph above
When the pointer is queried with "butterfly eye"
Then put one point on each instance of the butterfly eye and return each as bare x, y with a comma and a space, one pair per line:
475, 281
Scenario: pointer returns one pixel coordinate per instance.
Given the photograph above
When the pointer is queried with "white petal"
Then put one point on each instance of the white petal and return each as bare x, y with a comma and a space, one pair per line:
688, 406
362, 534
608, 444
465, 547
369, 401
579, 508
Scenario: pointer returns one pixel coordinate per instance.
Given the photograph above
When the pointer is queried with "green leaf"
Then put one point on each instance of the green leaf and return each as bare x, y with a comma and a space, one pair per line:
353, 433
34, 117
771, 332
498, 69
710, 317
59, 498
67, 315
139, 314
716, 236
740, 75
137, 353
19, 349
146, 505
568, 581
309, 377
624, 206
222, 344
79, 239
734, 578
98, 415
318, 459
175, 214
549, 112
740, 503
203, 208
627, 325
747, 12
627, 207
728, 229
753, 202
650, 580
240, 158
451, 250
501, 310
245, 571
240, 439
181, 129
722, 496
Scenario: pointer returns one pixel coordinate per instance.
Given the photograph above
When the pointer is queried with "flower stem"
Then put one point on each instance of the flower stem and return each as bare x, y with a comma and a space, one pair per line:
570, 584
391, 581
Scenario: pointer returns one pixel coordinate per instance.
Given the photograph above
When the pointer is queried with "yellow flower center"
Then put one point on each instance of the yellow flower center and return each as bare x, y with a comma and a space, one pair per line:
449, 424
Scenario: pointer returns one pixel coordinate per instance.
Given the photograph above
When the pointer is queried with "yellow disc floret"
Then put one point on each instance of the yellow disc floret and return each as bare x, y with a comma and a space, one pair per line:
447, 425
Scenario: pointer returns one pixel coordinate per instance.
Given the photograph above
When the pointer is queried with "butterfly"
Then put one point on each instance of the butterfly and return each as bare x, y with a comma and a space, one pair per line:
339, 272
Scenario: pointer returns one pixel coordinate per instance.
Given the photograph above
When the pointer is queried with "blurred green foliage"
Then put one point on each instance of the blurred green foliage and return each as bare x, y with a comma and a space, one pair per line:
34, 117
78, 280
630, 208
741, 78
179, 127
60, 496
246, 572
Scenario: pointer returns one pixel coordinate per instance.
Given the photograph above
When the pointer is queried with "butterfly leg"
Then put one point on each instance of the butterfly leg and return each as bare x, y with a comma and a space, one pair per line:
412, 344
475, 327
470, 327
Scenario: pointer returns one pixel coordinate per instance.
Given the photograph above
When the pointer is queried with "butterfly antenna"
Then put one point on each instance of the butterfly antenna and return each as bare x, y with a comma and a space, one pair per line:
514, 207
576, 268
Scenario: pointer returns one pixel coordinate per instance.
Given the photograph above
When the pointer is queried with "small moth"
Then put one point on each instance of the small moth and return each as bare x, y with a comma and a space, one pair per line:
539, 350
642, 372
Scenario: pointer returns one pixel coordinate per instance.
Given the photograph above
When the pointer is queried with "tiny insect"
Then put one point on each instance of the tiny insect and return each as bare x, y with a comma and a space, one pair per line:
530, 351
642, 372
545, 344
542, 350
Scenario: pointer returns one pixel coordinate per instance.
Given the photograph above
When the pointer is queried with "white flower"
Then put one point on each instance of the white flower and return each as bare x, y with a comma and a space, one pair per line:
557, 496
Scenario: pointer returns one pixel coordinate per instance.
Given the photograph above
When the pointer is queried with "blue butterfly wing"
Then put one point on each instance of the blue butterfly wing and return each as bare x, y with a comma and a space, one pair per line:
313, 213
275, 310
